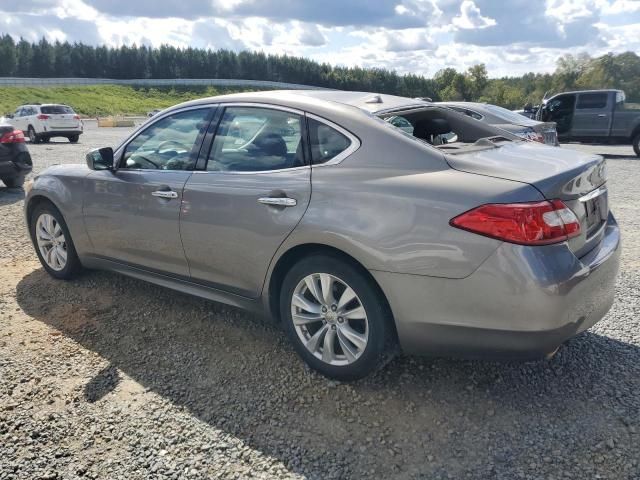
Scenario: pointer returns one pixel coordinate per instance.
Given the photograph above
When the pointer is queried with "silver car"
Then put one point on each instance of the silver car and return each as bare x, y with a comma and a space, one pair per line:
513, 122
362, 239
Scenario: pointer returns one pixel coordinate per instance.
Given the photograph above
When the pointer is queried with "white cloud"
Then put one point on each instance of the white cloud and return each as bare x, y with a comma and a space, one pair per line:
410, 36
471, 18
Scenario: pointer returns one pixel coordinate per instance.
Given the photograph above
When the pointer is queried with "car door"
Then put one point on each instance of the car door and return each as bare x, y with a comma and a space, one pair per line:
253, 191
132, 214
592, 117
560, 109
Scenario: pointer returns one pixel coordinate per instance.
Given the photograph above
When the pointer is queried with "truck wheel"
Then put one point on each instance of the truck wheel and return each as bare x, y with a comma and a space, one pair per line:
636, 144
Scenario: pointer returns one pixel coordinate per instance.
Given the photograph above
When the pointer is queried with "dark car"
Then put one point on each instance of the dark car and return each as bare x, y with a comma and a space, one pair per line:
15, 160
594, 116
512, 122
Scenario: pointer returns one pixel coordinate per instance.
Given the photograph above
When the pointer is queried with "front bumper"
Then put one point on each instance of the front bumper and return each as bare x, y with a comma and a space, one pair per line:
522, 302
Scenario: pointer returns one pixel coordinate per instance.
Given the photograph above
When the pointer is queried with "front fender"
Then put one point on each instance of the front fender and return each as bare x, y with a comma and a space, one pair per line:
65, 192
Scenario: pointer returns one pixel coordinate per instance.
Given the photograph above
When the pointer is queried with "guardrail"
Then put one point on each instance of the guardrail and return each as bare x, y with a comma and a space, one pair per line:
151, 82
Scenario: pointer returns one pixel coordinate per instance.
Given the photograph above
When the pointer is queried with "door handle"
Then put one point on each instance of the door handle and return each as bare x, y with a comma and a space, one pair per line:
165, 194
278, 201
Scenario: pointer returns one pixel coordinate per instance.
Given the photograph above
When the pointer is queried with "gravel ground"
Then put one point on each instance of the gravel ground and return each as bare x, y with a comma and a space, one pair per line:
108, 377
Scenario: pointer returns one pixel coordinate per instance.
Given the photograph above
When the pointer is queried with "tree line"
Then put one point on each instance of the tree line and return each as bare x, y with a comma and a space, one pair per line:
63, 59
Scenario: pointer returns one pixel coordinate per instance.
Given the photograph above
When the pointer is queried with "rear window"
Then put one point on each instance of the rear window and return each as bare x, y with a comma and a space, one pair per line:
592, 100
56, 109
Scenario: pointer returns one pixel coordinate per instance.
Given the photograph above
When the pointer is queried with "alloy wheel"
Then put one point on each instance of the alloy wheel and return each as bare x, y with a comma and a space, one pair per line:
329, 319
51, 242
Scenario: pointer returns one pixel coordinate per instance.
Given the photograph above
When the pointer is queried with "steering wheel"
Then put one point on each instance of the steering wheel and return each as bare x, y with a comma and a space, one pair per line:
145, 159
171, 142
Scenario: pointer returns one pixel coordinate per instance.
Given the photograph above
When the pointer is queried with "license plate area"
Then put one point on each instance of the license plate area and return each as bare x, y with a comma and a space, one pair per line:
596, 210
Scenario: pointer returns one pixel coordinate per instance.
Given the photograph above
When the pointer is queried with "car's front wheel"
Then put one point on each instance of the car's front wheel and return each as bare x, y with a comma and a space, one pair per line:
53, 242
336, 317
636, 144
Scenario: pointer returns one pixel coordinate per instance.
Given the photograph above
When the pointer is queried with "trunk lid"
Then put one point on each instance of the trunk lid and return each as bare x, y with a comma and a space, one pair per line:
577, 178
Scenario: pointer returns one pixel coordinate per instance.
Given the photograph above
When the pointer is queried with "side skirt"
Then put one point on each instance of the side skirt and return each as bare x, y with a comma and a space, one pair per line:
178, 284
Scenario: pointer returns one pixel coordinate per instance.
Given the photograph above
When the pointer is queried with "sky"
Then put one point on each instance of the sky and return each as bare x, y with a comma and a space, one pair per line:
510, 37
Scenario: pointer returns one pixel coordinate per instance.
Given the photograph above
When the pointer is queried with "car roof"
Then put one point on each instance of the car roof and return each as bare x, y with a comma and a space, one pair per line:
367, 101
600, 90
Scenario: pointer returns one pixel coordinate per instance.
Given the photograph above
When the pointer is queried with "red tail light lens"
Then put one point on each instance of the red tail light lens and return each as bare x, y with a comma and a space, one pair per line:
43, 117
13, 137
76, 117
538, 223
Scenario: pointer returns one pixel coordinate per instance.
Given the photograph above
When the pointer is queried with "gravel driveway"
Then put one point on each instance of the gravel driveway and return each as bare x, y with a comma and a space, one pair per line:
108, 377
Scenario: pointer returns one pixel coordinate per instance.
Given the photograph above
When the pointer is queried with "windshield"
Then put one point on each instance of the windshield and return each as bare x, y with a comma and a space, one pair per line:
56, 109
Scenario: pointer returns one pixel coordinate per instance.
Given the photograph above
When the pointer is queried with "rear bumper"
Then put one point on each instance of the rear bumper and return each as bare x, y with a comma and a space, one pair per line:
522, 302
49, 133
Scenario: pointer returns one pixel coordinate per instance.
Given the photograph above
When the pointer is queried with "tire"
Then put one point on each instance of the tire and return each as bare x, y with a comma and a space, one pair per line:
45, 139
15, 182
72, 264
74, 138
636, 144
33, 136
352, 362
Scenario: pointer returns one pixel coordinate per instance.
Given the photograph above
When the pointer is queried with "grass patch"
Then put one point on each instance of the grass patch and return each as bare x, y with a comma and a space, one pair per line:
101, 100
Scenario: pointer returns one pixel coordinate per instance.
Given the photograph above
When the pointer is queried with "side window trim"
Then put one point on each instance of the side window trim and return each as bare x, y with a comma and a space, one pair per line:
119, 153
355, 141
205, 152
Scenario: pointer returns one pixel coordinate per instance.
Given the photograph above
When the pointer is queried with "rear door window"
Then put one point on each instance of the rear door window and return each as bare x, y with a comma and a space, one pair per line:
591, 100
254, 139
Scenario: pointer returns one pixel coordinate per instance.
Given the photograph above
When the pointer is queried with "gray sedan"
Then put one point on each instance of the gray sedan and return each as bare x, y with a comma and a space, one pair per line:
361, 238
527, 128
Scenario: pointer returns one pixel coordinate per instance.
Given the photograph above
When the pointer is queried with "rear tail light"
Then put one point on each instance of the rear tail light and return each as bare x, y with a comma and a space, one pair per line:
76, 117
43, 117
536, 223
13, 137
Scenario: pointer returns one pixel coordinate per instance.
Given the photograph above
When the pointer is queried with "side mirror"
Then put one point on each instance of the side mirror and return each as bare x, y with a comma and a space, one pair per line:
100, 159
9, 115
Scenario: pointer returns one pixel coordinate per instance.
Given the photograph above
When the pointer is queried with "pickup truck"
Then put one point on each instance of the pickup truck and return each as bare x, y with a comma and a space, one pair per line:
594, 116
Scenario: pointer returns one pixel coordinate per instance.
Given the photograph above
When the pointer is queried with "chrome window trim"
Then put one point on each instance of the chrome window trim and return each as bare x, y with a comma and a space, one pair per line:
593, 194
248, 172
355, 142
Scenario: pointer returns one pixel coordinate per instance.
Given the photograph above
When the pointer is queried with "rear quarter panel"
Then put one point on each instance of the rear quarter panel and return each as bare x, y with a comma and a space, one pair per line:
389, 206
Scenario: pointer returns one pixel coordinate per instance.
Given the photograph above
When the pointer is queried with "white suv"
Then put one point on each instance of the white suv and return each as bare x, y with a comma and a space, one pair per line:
42, 122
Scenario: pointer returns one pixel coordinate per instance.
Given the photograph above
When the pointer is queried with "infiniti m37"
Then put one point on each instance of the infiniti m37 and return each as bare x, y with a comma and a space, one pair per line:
362, 239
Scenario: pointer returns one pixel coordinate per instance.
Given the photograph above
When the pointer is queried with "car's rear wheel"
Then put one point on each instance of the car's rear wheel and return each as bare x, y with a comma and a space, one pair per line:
636, 144
336, 317
53, 242
33, 136
74, 138
13, 182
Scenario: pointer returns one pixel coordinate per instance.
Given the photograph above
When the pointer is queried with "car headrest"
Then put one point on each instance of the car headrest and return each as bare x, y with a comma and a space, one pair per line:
431, 126
271, 144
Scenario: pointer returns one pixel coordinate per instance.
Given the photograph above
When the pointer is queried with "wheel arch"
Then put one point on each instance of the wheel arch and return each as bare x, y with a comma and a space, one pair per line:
289, 258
